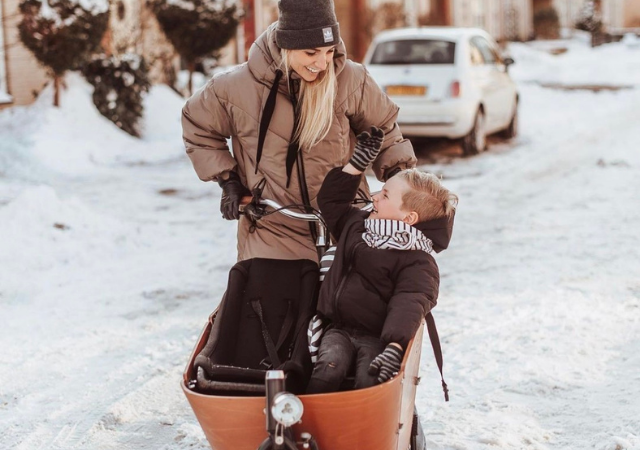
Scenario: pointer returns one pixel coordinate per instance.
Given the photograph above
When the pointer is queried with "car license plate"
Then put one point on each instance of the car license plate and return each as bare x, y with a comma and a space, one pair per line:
407, 90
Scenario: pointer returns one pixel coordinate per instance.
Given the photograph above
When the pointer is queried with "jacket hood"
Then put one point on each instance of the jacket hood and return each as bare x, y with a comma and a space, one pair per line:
438, 230
264, 57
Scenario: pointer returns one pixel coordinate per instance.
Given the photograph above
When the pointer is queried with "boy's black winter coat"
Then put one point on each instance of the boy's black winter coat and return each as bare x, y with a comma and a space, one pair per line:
386, 293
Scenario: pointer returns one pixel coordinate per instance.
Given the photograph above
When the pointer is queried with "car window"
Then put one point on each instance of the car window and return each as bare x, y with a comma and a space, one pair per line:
485, 48
476, 56
493, 48
416, 51
496, 54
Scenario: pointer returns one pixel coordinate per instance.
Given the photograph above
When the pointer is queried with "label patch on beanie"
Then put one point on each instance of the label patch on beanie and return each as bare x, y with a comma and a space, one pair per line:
328, 34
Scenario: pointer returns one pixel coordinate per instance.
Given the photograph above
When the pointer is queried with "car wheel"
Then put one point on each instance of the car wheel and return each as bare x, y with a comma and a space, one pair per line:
476, 141
512, 130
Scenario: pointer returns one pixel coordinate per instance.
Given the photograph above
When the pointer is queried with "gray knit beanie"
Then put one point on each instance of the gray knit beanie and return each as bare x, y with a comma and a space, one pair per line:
307, 24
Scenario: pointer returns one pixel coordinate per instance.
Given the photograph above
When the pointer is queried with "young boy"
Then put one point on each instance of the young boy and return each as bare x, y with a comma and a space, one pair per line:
383, 280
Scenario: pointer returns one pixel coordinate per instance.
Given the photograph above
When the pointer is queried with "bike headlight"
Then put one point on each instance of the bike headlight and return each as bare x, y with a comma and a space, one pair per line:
287, 409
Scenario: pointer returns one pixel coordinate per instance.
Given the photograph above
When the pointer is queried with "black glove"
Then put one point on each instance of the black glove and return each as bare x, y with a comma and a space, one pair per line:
391, 172
367, 148
232, 192
386, 364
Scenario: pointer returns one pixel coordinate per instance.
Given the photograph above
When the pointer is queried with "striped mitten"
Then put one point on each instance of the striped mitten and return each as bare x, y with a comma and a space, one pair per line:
386, 364
367, 148
314, 335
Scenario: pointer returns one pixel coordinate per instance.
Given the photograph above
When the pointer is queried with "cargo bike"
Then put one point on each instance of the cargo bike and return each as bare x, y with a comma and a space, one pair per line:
245, 377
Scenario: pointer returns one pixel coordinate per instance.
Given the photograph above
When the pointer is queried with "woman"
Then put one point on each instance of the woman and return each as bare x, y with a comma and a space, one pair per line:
292, 113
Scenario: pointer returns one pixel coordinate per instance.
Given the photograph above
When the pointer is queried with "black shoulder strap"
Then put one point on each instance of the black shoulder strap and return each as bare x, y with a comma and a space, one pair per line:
437, 350
268, 342
267, 113
294, 149
304, 192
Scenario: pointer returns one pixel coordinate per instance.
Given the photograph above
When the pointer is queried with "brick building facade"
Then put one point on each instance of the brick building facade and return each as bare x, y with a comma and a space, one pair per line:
21, 77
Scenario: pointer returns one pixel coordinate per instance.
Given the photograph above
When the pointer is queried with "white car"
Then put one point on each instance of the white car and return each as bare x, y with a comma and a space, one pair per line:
448, 82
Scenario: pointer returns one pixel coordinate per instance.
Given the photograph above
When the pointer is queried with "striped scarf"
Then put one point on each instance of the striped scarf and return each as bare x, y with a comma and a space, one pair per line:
395, 235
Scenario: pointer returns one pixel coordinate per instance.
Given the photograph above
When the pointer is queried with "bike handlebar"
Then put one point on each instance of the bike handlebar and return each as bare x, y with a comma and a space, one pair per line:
290, 213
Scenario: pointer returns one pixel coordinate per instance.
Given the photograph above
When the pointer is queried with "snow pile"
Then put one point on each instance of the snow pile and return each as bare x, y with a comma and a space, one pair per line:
198, 79
617, 64
208, 5
75, 137
75, 140
48, 10
631, 40
162, 128
47, 232
93, 6
18, 126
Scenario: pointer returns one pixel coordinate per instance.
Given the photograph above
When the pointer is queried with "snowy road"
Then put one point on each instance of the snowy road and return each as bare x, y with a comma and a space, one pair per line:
541, 297
112, 263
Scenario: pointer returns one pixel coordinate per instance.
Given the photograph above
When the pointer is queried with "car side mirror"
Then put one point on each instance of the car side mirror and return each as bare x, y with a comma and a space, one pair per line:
508, 61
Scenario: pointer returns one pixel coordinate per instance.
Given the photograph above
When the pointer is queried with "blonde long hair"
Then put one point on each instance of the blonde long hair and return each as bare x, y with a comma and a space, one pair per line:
315, 105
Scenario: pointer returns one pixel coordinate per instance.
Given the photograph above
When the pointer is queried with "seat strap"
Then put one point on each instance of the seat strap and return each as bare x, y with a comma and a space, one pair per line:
437, 350
286, 325
268, 342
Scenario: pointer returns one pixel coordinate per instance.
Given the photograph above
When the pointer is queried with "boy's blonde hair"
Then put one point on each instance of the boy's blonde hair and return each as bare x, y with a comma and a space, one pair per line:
427, 196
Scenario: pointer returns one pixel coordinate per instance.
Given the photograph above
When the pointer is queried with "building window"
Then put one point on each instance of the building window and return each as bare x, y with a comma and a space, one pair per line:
4, 90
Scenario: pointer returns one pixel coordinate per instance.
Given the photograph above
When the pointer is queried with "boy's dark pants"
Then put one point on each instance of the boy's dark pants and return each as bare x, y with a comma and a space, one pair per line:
338, 351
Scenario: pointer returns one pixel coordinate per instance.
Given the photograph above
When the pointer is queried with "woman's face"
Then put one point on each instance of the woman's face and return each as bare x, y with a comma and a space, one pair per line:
309, 63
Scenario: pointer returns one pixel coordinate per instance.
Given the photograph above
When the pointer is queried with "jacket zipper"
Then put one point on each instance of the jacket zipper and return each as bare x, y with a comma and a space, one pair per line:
341, 285
343, 282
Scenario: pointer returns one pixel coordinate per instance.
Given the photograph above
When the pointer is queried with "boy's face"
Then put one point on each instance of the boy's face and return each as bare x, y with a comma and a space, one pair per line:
387, 204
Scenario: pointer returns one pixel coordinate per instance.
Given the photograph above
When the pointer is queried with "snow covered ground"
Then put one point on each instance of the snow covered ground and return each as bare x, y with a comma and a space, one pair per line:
113, 254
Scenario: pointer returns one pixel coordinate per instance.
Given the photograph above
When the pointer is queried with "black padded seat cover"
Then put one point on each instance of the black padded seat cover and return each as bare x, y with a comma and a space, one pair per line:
236, 351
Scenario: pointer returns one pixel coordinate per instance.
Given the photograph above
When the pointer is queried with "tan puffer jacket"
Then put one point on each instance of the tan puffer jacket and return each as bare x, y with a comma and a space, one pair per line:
231, 105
